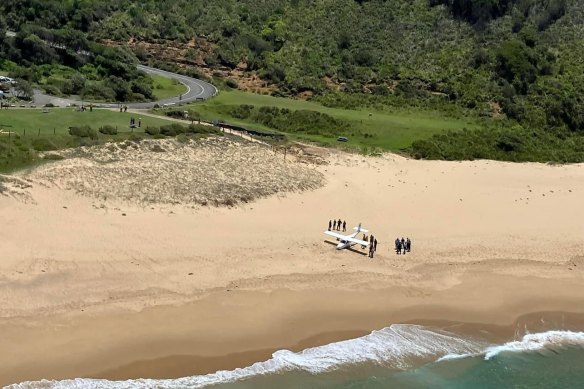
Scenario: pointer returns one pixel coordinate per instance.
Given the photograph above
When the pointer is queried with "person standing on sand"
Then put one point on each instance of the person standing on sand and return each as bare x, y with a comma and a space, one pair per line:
397, 246
344, 225
339, 225
403, 244
334, 225
374, 244
330, 224
408, 244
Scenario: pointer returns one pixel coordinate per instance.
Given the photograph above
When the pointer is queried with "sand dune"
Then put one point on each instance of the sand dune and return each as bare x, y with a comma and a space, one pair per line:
210, 171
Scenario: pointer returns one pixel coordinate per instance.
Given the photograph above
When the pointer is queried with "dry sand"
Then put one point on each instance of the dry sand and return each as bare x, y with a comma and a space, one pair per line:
94, 286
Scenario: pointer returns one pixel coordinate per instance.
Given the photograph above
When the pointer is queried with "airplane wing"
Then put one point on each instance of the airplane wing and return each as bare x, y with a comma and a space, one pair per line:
358, 241
347, 238
339, 236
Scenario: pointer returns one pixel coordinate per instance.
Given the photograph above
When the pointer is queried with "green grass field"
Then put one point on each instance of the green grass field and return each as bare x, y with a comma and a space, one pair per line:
390, 130
60, 119
25, 131
164, 88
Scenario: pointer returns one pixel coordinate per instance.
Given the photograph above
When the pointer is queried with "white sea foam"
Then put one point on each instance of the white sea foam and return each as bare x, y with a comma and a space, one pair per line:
397, 346
535, 342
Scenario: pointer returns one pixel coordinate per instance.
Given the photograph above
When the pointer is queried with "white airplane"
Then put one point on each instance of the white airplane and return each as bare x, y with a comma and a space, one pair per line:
349, 240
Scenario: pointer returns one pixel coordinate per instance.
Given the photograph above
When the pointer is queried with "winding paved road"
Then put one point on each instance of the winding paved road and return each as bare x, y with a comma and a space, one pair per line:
196, 90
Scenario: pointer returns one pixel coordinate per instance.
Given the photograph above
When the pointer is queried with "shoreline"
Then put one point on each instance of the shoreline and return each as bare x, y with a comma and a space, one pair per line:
158, 342
179, 366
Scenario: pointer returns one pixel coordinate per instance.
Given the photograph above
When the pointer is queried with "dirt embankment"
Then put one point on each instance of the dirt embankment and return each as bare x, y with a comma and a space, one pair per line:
195, 53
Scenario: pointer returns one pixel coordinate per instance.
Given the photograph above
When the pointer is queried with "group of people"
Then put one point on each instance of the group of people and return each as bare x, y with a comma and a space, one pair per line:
133, 122
372, 244
335, 225
402, 246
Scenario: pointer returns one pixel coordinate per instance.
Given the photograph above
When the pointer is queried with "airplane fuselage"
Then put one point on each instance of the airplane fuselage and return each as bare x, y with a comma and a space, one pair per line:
346, 244
343, 245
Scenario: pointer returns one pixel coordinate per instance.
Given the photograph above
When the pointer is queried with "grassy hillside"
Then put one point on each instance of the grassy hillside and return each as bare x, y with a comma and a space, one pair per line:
515, 61
388, 130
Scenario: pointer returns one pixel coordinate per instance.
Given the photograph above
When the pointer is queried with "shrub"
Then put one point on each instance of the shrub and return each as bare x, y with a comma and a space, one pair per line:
52, 90
135, 137
172, 129
202, 129
175, 113
182, 138
242, 111
43, 144
231, 83
53, 157
152, 130
108, 130
83, 132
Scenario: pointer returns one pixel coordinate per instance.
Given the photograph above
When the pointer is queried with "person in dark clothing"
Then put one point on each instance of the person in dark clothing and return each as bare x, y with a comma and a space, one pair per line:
397, 246
371, 239
339, 225
408, 244
330, 225
403, 244
344, 225
334, 225
374, 244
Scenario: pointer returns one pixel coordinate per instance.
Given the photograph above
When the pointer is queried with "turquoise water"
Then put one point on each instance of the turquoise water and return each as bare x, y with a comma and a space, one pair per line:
400, 356
560, 368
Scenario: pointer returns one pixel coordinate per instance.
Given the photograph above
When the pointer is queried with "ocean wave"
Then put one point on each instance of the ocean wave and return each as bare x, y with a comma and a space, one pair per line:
398, 346
536, 342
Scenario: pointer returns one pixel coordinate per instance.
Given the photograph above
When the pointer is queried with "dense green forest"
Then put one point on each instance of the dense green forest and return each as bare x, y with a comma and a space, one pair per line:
512, 60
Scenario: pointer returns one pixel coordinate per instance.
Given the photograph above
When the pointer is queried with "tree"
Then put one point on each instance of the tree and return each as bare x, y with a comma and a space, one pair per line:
23, 89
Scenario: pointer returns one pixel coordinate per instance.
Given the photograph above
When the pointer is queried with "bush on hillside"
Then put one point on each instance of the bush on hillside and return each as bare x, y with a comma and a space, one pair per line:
175, 113
173, 129
83, 132
43, 144
152, 130
108, 130
231, 83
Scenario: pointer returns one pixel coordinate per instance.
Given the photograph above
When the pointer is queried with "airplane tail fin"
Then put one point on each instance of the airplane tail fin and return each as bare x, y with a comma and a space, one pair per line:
360, 229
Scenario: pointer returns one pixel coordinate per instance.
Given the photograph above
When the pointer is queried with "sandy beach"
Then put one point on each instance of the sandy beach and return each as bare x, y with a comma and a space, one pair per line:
146, 265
